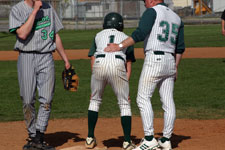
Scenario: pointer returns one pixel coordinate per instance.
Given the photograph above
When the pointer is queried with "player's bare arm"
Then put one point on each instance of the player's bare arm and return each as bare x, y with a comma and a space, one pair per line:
223, 27
60, 49
128, 68
92, 61
112, 47
26, 28
178, 58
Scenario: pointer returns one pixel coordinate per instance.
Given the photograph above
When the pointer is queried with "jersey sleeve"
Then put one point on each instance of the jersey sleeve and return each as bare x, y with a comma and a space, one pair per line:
58, 23
223, 15
92, 49
130, 54
145, 25
15, 21
180, 46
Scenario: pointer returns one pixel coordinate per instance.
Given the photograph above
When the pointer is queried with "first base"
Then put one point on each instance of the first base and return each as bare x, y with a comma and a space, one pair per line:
84, 148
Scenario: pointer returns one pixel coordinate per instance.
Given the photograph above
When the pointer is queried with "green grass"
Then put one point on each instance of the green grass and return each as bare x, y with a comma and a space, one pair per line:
195, 36
199, 92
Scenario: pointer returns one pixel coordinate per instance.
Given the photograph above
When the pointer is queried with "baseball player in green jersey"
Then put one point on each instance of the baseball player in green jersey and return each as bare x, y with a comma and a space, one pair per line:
36, 24
223, 22
113, 69
163, 34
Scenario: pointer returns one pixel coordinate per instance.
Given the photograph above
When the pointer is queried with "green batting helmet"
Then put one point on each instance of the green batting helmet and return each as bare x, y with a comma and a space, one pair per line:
113, 20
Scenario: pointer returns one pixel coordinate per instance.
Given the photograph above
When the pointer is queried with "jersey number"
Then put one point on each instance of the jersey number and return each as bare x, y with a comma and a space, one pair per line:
111, 38
164, 37
45, 34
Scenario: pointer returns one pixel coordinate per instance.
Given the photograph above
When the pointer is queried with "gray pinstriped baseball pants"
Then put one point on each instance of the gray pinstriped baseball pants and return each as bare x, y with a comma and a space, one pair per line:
36, 72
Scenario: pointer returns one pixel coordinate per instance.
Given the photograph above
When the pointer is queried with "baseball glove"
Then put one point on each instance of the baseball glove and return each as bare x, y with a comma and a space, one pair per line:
70, 79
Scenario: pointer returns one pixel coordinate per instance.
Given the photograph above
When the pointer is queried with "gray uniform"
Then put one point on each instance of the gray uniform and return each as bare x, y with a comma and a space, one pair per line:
35, 62
109, 68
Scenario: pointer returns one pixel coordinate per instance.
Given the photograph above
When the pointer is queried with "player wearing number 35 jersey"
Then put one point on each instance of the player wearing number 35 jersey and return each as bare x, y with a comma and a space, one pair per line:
162, 32
113, 69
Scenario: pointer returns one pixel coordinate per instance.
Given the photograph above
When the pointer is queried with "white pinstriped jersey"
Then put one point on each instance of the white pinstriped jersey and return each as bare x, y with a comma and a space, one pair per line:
109, 36
164, 31
41, 38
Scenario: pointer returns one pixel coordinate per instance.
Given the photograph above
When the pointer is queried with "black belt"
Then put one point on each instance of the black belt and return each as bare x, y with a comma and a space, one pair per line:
116, 56
35, 52
161, 53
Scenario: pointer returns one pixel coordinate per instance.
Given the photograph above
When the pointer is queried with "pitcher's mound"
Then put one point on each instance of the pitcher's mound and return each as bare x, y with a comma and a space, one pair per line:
83, 148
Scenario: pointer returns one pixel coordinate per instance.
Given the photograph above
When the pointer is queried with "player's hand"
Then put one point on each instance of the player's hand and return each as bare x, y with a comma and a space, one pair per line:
223, 32
67, 65
112, 47
129, 100
37, 5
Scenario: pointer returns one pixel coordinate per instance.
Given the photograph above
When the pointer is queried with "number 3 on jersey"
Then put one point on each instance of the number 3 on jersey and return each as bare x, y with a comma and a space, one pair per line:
164, 37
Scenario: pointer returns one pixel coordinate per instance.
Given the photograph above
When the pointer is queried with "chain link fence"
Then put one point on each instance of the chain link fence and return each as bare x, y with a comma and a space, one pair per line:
89, 14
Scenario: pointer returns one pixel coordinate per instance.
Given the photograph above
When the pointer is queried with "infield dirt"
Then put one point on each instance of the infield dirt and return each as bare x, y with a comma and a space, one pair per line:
63, 133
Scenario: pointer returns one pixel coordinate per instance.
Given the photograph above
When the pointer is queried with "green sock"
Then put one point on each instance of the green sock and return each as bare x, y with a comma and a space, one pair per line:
92, 120
126, 124
164, 139
149, 138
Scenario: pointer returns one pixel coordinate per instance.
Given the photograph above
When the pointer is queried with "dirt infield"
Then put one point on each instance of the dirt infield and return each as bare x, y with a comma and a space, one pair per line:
207, 52
63, 133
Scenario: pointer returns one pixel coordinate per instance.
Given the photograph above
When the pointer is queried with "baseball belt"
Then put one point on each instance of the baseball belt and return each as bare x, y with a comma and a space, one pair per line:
116, 56
161, 53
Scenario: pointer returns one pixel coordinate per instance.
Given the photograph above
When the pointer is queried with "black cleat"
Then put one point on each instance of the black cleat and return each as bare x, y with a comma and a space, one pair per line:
29, 145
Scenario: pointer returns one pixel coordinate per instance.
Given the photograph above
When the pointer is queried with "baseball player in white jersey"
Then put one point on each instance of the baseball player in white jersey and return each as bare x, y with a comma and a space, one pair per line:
163, 34
36, 24
113, 69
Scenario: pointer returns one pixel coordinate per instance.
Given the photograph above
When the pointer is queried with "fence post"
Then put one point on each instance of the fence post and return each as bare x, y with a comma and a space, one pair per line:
76, 21
85, 16
121, 7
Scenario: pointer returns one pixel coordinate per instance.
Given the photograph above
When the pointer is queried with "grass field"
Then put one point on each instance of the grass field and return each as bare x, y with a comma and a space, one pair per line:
199, 92
195, 36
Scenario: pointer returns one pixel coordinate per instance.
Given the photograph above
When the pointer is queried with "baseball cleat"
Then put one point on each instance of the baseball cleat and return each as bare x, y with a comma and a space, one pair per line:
164, 144
42, 146
147, 145
128, 145
90, 142
29, 144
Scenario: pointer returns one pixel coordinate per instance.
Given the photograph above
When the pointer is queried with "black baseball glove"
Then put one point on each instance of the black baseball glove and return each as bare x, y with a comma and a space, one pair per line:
70, 79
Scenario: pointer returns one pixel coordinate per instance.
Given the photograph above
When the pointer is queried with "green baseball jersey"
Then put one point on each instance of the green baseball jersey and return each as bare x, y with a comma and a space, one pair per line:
46, 25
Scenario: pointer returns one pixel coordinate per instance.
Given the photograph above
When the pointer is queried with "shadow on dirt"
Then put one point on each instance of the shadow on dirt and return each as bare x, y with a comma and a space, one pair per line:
176, 139
60, 138
119, 141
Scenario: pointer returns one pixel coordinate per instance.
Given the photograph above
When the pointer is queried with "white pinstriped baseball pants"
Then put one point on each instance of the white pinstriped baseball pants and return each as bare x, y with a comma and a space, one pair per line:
110, 70
36, 71
158, 72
